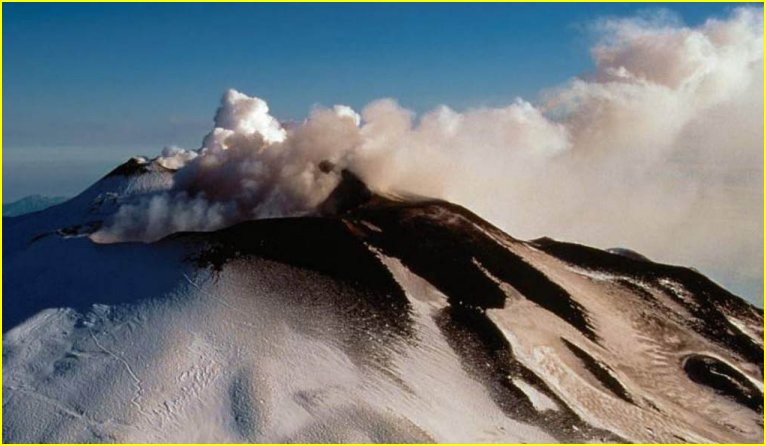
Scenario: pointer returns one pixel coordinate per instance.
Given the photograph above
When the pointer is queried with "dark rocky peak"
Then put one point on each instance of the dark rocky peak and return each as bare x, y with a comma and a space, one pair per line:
136, 166
350, 193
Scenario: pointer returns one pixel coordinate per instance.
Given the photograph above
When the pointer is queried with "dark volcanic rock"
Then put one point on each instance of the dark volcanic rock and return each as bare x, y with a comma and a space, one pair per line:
350, 193
724, 379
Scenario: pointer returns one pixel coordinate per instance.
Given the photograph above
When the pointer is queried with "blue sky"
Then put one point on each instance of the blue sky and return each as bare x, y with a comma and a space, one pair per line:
87, 85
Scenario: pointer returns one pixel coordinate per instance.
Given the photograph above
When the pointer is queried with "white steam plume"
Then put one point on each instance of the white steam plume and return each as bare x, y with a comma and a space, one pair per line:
659, 150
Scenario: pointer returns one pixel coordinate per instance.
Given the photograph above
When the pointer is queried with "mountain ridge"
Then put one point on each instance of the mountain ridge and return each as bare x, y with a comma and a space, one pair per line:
420, 309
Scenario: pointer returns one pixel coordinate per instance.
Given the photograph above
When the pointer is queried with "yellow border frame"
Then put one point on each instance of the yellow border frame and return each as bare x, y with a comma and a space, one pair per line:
339, 1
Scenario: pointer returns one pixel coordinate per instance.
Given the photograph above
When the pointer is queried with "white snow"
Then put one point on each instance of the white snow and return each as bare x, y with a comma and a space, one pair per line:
537, 398
242, 356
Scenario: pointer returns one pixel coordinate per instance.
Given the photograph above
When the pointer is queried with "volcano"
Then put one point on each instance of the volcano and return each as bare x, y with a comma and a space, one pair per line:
377, 318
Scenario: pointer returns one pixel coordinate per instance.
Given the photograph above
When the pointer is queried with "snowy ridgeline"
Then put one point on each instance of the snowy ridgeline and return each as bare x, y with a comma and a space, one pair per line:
383, 322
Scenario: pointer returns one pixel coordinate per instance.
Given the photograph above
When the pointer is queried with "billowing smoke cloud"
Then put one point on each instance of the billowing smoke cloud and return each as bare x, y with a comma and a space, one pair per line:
659, 149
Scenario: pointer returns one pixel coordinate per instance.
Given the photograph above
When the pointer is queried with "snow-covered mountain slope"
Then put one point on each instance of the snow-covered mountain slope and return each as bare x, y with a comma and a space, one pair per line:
377, 320
31, 203
83, 214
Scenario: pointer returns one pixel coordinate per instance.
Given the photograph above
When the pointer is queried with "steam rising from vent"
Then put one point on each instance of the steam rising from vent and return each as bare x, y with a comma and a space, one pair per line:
659, 149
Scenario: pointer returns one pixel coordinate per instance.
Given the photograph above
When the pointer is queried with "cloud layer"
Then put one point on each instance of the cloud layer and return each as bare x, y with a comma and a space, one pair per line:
659, 149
